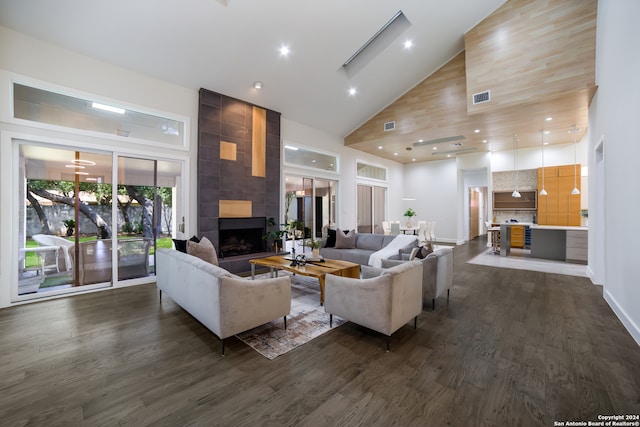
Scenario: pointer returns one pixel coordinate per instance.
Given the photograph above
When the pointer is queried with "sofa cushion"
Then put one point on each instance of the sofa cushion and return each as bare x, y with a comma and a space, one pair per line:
181, 245
345, 241
203, 250
371, 242
358, 256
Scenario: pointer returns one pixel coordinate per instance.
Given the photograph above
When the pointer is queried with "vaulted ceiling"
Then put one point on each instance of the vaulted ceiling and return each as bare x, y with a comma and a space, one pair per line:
226, 46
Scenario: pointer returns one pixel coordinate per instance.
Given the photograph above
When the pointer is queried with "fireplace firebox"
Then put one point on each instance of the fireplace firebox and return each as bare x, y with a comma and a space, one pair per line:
241, 236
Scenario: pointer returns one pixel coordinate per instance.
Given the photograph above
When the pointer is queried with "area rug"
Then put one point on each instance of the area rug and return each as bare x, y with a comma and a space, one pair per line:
520, 260
307, 321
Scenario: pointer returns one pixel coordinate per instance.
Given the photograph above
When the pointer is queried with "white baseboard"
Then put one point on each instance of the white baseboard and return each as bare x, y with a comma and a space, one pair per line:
628, 323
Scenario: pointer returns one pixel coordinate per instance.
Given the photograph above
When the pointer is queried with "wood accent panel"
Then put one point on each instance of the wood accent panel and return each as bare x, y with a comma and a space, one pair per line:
236, 208
437, 106
259, 142
559, 206
527, 51
228, 151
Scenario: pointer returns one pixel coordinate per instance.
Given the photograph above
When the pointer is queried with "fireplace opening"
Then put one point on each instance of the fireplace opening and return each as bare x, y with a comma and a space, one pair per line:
241, 236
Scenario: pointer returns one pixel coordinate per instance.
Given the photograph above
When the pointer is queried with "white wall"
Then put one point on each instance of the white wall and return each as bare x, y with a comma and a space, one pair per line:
613, 118
435, 187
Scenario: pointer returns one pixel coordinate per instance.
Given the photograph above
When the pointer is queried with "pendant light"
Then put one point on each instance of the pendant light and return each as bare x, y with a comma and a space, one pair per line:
543, 192
515, 193
575, 190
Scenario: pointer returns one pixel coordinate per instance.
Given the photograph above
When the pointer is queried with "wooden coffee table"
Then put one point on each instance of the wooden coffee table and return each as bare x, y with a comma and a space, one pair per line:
312, 269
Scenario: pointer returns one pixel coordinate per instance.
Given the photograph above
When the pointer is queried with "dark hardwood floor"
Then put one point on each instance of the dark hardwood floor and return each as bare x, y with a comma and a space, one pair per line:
512, 348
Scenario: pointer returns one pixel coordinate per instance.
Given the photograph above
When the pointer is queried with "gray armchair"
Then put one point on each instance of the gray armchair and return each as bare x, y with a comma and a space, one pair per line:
437, 274
384, 303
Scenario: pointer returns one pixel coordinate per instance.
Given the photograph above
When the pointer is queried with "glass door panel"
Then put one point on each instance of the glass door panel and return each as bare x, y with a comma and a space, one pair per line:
66, 210
325, 214
147, 193
364, 209
371, 208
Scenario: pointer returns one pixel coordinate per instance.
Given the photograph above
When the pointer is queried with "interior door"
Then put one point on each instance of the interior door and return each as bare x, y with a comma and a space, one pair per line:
474, 213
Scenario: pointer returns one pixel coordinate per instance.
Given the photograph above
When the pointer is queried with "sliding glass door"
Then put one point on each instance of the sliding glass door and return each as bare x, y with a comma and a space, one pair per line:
77, 231
310, 205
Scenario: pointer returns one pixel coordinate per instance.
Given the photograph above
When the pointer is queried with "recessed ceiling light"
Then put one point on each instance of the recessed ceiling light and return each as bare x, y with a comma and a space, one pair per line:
448, 155
549, 119
408, 44
547, 132
257, 85
484, 141
395, 154
435, 148
477, 131
413, 160
284, 50
352, 91
421, 140
313, 161
379, 147
546, 143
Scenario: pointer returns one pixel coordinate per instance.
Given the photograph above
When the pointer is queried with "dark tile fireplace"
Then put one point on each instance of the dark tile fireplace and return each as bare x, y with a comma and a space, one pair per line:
241, 236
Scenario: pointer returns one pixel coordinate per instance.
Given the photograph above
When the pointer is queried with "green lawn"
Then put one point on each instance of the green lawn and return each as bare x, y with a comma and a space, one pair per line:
31, 259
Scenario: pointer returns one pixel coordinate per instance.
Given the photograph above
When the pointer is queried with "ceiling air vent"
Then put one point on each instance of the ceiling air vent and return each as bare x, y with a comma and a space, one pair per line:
479, 98
390, 126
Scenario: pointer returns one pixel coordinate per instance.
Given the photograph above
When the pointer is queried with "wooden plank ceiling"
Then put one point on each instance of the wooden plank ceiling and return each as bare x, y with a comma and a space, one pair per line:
538, 60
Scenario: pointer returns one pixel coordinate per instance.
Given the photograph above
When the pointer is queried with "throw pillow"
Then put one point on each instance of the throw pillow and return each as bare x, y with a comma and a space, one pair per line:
423, 251
331, 238
181, 245
345, 241
203, 250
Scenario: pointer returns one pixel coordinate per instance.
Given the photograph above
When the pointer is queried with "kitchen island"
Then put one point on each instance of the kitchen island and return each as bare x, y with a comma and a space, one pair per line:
562, 243
555, 242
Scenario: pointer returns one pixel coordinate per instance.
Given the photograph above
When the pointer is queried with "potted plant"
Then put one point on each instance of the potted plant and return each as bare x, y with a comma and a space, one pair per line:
274, 235
71, 225
410, 213
315, 245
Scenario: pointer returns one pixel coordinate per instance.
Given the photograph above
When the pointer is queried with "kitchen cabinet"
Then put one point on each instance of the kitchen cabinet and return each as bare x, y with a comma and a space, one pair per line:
517, 236
559, 206
503, 200
577, 246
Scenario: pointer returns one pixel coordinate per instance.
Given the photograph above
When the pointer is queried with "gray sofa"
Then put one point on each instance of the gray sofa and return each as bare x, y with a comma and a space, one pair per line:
223, 302
366, 245
437, 274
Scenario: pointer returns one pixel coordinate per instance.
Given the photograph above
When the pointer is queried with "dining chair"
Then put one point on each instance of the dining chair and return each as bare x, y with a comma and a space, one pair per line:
395, 228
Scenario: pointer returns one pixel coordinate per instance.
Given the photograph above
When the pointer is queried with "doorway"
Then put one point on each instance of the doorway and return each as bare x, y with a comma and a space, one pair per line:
478, 211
